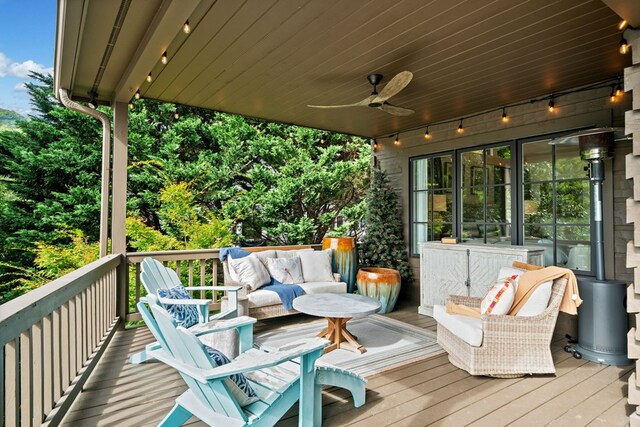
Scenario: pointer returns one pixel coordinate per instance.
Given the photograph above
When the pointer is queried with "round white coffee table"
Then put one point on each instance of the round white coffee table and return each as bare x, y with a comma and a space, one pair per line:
338, 309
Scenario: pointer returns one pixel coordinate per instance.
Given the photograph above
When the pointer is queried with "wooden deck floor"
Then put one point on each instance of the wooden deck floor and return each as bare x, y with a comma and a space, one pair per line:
432, 392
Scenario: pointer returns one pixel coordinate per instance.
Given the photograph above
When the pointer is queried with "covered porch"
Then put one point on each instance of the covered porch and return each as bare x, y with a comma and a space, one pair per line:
65, 348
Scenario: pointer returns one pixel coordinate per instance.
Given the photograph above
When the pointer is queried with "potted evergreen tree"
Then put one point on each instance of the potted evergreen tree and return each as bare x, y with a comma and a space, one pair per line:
383, 253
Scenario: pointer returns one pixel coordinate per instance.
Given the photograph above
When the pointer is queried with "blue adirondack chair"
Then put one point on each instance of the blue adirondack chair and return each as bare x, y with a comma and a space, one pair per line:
155, 276
279, 378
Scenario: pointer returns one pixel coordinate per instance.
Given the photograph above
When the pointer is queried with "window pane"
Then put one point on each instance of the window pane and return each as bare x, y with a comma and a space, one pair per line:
442, 172
441, 230
579, 257
572, 202
498, 165
472, 171
537, 161
442, 201
542, 236
420, 235
420, 174
538, 203
472, 205
498, 233
568, 162
573, 234
421, 206
472, 232
499, 204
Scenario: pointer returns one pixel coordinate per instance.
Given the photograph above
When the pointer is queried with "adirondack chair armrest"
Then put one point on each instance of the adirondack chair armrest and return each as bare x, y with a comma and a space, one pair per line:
222, 325
244, 362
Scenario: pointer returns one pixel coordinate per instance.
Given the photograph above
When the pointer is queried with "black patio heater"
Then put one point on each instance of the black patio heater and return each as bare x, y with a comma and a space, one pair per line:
602, 317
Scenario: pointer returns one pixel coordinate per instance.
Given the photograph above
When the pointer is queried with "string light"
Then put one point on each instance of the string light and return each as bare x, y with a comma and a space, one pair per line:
176, 115
93, 99
615, 91
185, 27
131, 106
624, 47
505, 118
622, 25
137, 95
149, 78
164, 58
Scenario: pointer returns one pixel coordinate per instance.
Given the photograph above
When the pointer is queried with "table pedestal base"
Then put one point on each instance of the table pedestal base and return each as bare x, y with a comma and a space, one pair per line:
336, 332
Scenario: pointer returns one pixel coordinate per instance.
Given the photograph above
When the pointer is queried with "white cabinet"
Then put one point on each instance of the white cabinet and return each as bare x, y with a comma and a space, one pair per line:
465, 269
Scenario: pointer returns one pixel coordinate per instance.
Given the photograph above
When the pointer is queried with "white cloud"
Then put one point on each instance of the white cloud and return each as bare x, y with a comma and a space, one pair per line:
20, 69
20, 86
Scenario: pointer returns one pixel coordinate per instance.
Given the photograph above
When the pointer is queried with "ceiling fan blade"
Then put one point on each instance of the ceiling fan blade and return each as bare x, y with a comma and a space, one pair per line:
397, 83
396, 111
362, 103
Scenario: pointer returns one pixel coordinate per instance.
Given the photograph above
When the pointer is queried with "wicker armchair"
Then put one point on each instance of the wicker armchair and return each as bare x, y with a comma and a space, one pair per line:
512, 346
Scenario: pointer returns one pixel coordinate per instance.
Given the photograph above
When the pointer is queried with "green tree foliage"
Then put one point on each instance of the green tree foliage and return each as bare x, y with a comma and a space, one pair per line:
194, 176
383, 242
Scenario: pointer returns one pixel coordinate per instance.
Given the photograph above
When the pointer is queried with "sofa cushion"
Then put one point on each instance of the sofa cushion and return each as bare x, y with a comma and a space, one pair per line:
468, 329
287, 271
538, 301
499, 298
316, 266
250, 271
265, 255
265, 298
291, 253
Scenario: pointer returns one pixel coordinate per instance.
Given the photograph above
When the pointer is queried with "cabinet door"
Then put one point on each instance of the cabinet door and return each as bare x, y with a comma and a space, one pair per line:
484, 267
445, 274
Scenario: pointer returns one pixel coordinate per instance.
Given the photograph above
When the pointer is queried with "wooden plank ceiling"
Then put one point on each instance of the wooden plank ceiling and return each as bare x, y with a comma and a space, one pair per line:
269, 59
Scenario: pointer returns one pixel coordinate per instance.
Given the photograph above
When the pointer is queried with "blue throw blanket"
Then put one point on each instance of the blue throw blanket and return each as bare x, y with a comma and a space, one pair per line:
286, 293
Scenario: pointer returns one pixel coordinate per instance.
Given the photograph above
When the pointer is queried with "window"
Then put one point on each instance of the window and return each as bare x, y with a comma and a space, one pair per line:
533, 192
556, 203
431, 199
485, 188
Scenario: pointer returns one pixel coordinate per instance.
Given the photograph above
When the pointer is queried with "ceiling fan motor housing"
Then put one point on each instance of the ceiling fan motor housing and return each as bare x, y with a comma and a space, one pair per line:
374, 79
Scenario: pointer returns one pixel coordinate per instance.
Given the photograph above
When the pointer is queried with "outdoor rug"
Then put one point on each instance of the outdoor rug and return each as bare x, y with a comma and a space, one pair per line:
389, 343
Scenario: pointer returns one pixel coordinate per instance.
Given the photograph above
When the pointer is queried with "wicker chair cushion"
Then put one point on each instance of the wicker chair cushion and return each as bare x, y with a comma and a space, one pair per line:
466, 328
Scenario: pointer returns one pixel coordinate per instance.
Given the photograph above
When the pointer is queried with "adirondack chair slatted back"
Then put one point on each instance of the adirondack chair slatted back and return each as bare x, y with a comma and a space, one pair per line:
143, 308
155, 276
184, 347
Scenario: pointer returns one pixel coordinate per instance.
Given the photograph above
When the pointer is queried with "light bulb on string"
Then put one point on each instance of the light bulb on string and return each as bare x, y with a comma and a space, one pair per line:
164, 59
624, 47
149, 78
137, 95
622, 25
427, 135
619, 91
186, 28
460, 128
612, 95
397, 141
552, 105
176, 115
131, 106
505, 117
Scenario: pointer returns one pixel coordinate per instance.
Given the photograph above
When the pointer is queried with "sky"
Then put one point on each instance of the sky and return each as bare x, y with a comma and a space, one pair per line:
27, 43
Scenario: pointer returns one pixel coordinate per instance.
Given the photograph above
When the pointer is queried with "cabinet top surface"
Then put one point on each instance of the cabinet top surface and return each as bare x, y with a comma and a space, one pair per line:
480, 246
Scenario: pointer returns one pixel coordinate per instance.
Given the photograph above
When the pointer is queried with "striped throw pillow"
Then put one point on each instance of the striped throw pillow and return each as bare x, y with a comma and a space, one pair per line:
500, 296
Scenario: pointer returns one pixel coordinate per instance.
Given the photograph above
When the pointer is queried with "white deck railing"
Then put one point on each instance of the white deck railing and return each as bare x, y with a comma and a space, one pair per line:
51, 339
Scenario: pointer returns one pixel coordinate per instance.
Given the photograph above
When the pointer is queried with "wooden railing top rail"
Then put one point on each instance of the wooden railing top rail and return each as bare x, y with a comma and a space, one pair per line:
195, 254
24, 311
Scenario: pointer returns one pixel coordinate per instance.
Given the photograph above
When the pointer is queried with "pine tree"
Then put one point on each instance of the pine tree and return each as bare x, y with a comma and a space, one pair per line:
383, 243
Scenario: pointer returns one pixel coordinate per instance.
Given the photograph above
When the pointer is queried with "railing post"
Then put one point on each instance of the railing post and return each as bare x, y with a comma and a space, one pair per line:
122, 289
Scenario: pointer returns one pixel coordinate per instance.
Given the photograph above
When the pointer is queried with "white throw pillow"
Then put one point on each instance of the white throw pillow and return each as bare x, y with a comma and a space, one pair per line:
499, 297
250, 271
509, 272
291, 253
316, 266
265, 255
538, 301
286, 270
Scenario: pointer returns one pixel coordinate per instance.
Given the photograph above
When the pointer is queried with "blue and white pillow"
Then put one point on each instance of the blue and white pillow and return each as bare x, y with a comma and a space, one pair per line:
185, 315
237, 383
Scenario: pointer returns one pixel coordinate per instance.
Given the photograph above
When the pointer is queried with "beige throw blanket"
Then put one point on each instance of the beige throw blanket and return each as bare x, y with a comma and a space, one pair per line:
528, 283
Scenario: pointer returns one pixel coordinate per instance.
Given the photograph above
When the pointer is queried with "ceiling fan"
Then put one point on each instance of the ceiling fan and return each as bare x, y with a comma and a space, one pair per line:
379, 100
